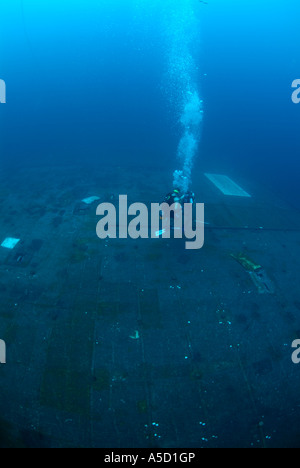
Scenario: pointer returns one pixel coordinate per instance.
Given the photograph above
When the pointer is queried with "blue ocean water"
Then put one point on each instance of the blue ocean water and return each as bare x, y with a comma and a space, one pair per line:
100, 69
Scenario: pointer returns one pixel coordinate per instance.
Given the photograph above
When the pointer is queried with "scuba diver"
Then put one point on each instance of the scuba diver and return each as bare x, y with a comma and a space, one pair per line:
177, 199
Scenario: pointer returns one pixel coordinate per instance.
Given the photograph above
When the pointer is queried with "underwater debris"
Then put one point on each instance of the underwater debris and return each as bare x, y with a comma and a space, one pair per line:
90, 200
246, 262
10, 243
262, 282
136, 335
257, 274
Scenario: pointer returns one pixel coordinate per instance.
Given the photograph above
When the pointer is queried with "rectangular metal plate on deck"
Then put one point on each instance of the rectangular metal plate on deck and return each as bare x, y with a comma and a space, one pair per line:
227, 186
10, 243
